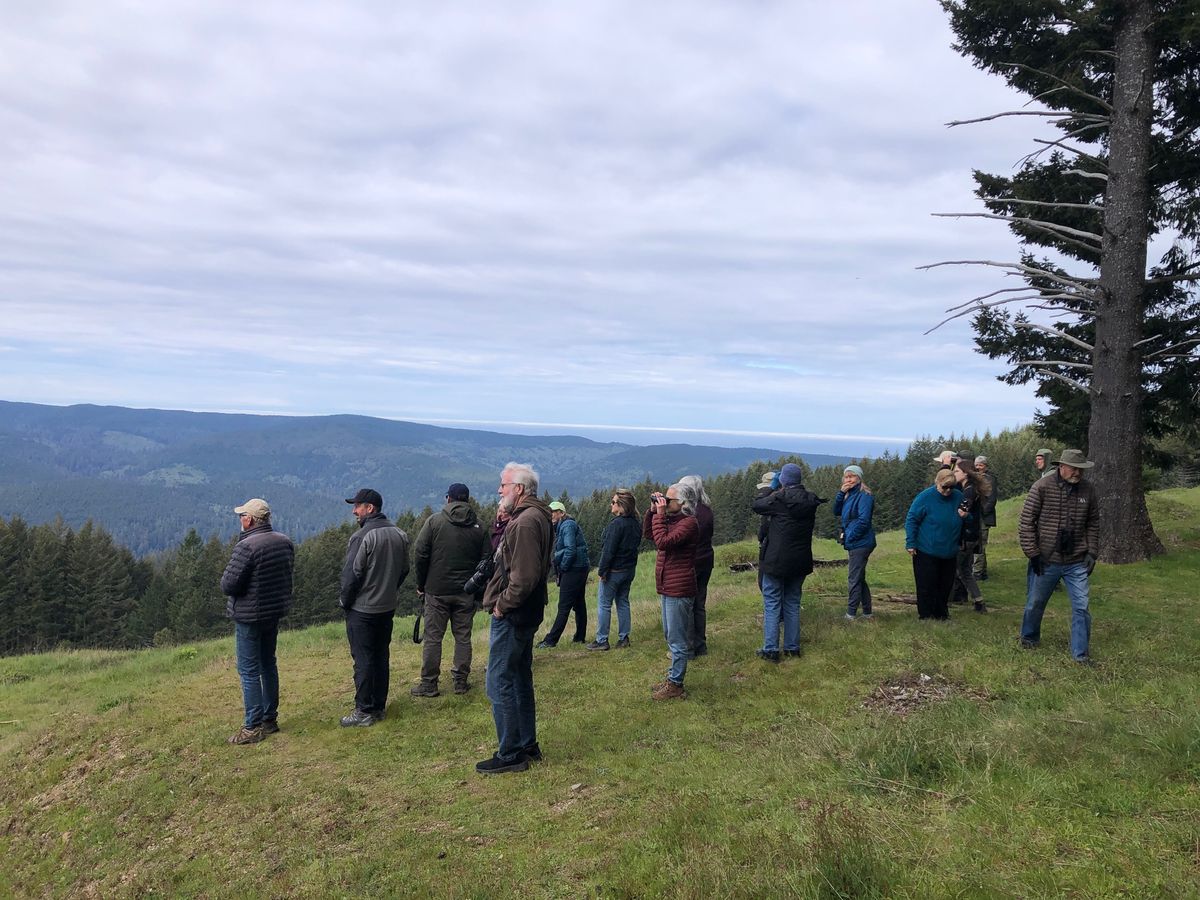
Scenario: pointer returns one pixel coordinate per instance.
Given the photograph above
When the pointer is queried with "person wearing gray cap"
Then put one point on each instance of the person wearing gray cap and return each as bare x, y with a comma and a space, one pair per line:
375, 567
448, 549
1059, 532
258, 582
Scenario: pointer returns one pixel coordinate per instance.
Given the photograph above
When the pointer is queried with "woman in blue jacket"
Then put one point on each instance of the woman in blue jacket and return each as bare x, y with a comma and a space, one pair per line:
855, 504
932, 532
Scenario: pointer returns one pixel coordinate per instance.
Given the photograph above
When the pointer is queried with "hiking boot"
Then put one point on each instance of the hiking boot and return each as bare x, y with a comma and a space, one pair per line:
597, 645
1084, 660
1027, 644
849, 617
247, 736
534, 752
424, 689
868, 617
496, 766
461, 687
542, 645
700, 651
358, 719
623, 644
669, 690
980, 606
767, 655
270, 726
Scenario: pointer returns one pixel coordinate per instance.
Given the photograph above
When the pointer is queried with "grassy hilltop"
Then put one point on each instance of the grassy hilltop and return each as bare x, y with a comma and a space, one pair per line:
844, 773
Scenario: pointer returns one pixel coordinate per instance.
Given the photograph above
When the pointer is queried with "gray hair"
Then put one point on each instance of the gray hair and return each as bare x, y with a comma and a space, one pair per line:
523, 475
697, 486
686, 496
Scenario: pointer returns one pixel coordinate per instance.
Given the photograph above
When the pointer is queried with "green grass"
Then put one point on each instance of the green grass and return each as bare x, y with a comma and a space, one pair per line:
1034, 777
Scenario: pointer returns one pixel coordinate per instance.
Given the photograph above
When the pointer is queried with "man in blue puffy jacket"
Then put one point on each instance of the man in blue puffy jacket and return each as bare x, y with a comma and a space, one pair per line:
570, 570
258, 582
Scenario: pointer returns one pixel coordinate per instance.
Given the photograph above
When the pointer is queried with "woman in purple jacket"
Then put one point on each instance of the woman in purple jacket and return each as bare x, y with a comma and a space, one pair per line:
697, 639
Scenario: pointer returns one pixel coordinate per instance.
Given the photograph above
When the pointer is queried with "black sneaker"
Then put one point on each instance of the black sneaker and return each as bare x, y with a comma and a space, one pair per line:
270, 726
1028, 644
597, 645
700, 651
542, 645
623, 644
767, 655
496, 766
980, 606
461, 687
358, 719
424, 689
534, 752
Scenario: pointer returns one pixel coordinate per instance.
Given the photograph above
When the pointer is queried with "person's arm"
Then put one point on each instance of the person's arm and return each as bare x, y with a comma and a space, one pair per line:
526, 568
1027, 524
680, 533
236, 577
863, 509
403, 559
912, 523
422, 554
352, 571
608, 547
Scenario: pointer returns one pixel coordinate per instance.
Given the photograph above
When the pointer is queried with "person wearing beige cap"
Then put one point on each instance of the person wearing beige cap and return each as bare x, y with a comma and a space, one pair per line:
946, 459
258, 584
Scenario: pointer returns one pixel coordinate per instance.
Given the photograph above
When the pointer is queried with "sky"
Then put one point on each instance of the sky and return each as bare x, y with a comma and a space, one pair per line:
651, 222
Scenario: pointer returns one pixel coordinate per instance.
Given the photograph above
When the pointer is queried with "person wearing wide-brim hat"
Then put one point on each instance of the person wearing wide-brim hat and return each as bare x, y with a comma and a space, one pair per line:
1059, 532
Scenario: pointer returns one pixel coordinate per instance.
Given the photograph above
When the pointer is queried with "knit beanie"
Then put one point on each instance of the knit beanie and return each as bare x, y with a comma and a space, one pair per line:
791, 474
854, 470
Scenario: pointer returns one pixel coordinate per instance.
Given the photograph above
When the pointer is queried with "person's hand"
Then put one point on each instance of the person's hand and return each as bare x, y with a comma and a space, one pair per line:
496, 614
962, 513
1090, 563
1036, 564
912, 551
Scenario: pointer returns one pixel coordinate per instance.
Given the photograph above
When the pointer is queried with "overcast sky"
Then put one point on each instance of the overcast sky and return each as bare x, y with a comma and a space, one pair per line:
602, 218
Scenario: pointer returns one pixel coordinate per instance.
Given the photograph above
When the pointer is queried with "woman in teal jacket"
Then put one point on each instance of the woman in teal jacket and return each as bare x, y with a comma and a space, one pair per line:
932, 531
854, 504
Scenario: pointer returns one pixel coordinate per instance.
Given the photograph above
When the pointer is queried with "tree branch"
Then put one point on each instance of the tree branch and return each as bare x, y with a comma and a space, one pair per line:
1032, 223
1078, 385
1099, 175
1093, 206
1083, 345
1166, 350
1079, 284
1087, 117
1066, 84
1166, 279
1053, 362
1059, 143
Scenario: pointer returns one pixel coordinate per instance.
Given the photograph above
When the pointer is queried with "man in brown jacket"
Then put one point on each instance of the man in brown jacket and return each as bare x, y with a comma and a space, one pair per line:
516, 598
1060, 534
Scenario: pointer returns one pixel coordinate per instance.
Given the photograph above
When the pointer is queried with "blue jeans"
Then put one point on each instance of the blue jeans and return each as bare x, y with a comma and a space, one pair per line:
613, 588
255, 643
510, 687
781, 600
677, 618
1075, 578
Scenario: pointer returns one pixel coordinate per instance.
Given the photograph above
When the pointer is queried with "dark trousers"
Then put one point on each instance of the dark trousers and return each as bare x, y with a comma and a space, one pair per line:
935, 579
571, 584
369, 636
856, 581
965, 584
697, 639
457, 610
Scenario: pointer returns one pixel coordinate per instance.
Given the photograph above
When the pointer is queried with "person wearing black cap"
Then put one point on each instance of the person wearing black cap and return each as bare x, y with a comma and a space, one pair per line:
376, 565
447, 550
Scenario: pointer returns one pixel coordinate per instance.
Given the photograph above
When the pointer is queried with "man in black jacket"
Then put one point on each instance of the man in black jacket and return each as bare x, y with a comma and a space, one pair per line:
987, 506
376, 565
447, 551
258, 584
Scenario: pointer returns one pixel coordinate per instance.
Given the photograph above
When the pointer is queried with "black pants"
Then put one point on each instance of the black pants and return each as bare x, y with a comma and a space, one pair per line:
935, 580
370, 636
697, 639
571, 584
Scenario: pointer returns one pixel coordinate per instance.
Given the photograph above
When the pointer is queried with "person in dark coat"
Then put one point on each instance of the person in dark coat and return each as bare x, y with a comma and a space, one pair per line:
854, 506
697, 631
790, 513
571, 567
987, 506
616, 568
975, 490
258, 583
673, 527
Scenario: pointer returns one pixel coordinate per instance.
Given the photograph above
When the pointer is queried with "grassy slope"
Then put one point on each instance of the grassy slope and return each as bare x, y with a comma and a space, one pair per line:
768, 780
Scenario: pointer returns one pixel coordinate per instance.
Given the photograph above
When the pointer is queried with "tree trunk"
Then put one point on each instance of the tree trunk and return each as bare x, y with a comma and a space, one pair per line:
1115, 432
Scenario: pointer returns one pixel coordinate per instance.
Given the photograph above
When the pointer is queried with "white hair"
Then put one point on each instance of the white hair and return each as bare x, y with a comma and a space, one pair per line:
686, 496
523, 475
697, 486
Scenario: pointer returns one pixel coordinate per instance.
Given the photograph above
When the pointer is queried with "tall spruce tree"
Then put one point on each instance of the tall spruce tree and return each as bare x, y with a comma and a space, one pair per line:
1115, 350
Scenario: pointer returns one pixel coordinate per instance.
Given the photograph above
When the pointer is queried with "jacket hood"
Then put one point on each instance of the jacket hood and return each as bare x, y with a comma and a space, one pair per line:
528, 502
460, 512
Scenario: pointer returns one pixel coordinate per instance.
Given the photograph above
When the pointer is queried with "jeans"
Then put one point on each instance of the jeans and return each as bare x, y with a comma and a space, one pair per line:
370, 635
781, 600
255, 644
571, 585
676, 614
510, 687
1075, 577
697, 639
613, 588
856, 580
458, 610
934, 577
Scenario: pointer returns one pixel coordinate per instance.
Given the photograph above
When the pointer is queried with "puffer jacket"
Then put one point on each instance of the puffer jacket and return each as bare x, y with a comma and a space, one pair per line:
570, 546
676, 538
376, 565
448, 548
704, 543
1056, 507
258, 578
619, 546
790, 514
855, 507
518, 586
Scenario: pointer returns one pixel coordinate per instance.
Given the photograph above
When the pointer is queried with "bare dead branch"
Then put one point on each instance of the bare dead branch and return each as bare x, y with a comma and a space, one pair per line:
1097, 175
1083, 345
1078, 385
1025, 220
1080, 284
1059, 143
1092, 206
1054, 114
1054, 362
1066, 85
1147, 340
1165, 350
1165, 279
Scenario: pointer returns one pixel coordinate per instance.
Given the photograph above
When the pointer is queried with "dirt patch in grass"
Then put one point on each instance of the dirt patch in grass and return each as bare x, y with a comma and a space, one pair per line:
904, 693
909, 599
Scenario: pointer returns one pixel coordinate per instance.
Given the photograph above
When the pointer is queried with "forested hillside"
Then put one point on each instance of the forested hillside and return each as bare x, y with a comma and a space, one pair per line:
61, 586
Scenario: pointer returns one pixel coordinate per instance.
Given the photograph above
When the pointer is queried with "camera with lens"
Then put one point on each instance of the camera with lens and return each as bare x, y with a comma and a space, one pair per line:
480, 577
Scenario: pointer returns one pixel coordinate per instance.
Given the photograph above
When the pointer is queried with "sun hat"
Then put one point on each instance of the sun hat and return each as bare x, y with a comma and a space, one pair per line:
1073, 458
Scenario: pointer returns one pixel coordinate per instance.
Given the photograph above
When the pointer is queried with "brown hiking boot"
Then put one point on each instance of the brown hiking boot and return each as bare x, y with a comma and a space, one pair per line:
669, 690
247, 736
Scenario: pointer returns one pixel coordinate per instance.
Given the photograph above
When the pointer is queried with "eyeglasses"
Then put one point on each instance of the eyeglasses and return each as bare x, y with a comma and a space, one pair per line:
505, 484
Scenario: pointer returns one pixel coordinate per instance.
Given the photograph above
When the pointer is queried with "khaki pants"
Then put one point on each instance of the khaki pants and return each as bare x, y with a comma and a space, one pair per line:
457, 610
